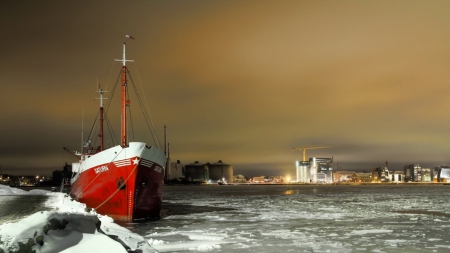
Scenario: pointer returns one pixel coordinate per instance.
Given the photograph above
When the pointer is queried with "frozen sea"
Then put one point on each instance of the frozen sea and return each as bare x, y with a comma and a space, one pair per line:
302, 218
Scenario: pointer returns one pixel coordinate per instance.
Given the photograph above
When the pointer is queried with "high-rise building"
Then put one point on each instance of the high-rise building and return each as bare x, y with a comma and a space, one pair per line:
426, 175
415, 173
380, 175
316, 170
411, 172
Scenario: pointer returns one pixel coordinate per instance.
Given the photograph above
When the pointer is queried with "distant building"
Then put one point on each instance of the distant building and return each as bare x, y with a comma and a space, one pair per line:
442, 174
342, 176
316, 170
275, 179
221, 171
5, 179
411, 172
175, 171
239, 179
362, 177
397, 177
26, 181
303, 172
202, 172
279, 179
415, 173
62, 175
259, 179
196, 172
436, 173
425, 175
380, 175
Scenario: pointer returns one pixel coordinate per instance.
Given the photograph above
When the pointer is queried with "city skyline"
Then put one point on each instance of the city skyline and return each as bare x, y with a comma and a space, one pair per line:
238, 81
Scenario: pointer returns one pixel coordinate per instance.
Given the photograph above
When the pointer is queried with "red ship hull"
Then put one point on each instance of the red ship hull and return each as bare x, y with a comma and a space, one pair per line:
125, 188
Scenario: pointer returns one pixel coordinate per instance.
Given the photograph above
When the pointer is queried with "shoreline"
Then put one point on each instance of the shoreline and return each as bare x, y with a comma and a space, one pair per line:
304, 184
28, 188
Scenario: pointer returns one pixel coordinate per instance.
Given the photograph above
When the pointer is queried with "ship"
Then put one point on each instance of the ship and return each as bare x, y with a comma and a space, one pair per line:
124, 182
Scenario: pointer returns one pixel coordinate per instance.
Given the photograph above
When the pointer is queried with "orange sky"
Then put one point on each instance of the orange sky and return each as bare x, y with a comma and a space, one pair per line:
238, 81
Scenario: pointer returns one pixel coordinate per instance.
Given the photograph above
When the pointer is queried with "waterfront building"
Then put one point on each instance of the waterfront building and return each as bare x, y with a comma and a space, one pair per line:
259, 179
411, 172
397, 177
321, 177
202, 172
363, 177
196, 172
175, 171
316, 170
442, 174
380, 175
271, 179
239, 179
436, 174
415, 173
425, 175
342, 176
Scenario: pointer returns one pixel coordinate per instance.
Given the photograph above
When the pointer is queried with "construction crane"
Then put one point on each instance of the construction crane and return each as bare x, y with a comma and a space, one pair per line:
304, 148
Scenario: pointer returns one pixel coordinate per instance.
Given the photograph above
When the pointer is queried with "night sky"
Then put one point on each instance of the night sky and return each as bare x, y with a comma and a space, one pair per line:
239, 81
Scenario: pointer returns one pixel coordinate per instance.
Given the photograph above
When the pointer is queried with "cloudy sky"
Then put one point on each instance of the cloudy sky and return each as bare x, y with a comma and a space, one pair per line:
238, 81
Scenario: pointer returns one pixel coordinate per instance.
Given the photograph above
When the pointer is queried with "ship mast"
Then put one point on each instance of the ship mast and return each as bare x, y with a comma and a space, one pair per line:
125, 101
100, 92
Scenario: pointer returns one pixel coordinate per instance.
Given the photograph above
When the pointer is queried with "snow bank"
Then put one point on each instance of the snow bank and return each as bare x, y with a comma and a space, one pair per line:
67, 228
6, 190
57, 232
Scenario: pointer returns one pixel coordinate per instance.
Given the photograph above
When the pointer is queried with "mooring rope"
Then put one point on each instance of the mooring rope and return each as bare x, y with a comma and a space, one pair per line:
97, 175
119, 187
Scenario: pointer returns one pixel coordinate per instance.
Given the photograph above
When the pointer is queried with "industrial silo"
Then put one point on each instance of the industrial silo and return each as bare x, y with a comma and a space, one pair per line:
177, 170
221, 171
196, 172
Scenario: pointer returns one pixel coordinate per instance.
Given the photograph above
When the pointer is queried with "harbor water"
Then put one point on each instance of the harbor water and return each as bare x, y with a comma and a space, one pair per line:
302, 218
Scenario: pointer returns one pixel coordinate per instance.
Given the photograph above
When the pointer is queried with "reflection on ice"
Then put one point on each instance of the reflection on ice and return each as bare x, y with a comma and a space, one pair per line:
371, 231
406, 218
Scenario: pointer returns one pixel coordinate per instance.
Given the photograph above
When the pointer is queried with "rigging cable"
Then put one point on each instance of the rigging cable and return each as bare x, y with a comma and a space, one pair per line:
92, 129
111, 131
112, 92
146, 112
110, 73
108, 123
110, 128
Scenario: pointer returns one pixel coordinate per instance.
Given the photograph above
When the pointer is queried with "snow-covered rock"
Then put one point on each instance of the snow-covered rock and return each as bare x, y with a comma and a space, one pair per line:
67, 228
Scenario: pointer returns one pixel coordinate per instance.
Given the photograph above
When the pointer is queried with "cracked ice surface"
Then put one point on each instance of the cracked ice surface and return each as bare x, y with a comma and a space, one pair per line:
306, 218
